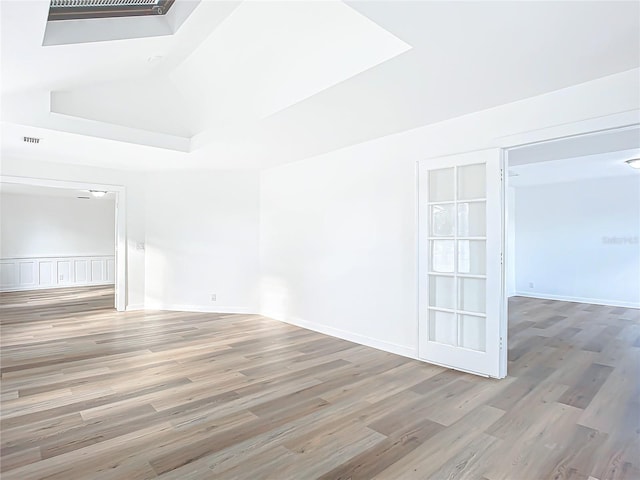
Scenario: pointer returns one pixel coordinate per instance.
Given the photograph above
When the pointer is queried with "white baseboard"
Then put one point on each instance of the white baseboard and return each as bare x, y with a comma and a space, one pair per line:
23, 288
593, 301
350, 336
135, 307
197, 308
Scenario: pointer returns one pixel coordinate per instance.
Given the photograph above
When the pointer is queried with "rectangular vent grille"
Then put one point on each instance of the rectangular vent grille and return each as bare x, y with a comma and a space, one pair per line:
31, 139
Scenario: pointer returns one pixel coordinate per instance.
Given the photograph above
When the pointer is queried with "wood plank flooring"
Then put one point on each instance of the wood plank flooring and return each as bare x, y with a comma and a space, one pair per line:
89, 393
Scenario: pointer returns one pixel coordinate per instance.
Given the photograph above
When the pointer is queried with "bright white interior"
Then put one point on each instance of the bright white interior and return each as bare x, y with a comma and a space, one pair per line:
307, 214
575, 221
346, 73
41, 225
579, 241
50, 238
201, 235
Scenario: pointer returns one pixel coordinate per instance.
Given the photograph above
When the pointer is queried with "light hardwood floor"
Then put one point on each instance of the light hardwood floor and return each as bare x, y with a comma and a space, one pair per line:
88, 393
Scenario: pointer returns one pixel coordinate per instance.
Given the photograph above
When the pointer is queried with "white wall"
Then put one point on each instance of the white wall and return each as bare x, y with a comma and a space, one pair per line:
578, 241
134, 183
202, 238
44, 226
338, 247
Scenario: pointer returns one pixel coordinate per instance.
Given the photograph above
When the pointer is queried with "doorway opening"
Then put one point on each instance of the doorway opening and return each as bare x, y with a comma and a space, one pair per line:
572, 253
68, 236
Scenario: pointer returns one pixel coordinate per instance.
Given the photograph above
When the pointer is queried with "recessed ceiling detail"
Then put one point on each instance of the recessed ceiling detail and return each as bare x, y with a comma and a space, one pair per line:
268, 56
86, 9
252, 84
86, 21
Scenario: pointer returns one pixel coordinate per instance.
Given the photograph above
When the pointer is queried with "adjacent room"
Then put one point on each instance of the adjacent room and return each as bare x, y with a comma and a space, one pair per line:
319, 239
56, 238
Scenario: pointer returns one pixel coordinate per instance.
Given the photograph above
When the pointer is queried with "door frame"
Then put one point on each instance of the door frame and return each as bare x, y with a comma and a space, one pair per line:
120, 223
505, 143
592, 126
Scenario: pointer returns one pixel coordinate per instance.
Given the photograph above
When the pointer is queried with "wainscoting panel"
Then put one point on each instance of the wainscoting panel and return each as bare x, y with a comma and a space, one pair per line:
27, 274
111, 270
51, 272
64, 272
81, 271
8, 273
97, 270
46, 273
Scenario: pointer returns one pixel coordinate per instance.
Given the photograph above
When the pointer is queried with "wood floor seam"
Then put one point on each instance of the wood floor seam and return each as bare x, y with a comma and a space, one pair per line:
91, 393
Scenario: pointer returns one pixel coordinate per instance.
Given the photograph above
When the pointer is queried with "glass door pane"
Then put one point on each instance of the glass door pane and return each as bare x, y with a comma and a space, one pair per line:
442, 256
442, 327
472, 332
443, 220
442, 292
472, 257
471, 182
457, 248
472, 219
472, 294
441, 185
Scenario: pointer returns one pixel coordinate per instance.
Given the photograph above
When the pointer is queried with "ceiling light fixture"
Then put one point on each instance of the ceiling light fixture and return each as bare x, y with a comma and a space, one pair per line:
633, 163
97, 193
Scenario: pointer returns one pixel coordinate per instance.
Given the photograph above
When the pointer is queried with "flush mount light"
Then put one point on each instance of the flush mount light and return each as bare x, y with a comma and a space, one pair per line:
633, 163
97, 193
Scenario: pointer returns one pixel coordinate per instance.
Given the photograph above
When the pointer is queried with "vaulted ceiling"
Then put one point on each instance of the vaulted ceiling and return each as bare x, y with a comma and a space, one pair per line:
244, 84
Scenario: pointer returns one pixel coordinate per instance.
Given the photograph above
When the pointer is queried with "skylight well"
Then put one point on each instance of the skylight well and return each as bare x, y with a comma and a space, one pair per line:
84, 21
85, 9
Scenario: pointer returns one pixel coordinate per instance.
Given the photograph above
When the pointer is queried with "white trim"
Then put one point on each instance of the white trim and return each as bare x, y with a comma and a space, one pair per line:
564, 298
590, 126
134, 308
51, 287
504, 298
56, 256
198, 308
121, 223
350, 336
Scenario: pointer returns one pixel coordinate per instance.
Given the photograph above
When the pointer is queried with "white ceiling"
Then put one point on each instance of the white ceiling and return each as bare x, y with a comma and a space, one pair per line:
574, 169
254, 84
577, 158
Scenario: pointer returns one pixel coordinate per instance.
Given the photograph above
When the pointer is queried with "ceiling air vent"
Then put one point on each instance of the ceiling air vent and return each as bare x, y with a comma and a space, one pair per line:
31, 139
84, 9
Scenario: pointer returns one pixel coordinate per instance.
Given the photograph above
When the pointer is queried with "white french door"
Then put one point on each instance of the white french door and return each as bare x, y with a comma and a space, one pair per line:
460, 270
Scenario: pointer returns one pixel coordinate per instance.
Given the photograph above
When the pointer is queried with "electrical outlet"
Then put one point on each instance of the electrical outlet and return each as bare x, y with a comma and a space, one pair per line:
213, 297
61, 278
530, 284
